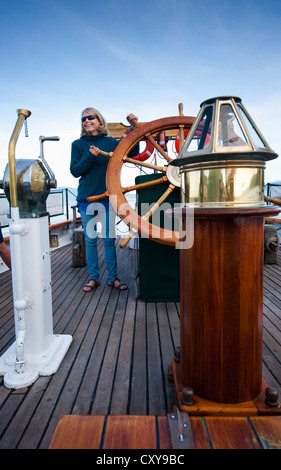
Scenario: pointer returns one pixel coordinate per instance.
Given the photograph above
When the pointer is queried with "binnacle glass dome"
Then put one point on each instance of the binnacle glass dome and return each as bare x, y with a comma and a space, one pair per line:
223, 158
224, 125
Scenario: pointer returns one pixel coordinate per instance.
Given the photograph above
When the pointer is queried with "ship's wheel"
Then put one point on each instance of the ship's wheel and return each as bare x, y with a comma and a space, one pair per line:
170, 178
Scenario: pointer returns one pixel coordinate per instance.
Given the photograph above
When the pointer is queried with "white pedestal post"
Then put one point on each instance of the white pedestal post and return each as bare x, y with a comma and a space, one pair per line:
36, 351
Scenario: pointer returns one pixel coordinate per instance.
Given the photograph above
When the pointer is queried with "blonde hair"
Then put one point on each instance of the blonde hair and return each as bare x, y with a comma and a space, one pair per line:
103, 125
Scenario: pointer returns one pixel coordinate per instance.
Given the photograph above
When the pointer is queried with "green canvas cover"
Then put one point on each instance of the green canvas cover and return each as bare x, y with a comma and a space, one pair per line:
159, 279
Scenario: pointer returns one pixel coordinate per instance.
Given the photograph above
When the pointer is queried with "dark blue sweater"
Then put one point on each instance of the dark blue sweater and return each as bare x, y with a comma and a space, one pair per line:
92, 170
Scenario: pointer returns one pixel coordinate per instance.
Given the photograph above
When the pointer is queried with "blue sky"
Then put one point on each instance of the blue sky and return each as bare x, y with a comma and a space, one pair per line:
59, 56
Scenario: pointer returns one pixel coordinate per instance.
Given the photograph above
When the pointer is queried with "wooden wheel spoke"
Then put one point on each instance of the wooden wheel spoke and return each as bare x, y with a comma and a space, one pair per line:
144, 185
151, 139
147, 216
97, 197
158, 148
158, 203
273, 200
127, 189
137, 162
181, 128
163, 169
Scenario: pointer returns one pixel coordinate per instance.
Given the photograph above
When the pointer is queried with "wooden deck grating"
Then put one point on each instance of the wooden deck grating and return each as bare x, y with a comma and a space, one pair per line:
118, 361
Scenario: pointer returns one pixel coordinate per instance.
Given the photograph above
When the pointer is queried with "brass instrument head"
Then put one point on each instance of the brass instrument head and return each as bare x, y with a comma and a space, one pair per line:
223, 158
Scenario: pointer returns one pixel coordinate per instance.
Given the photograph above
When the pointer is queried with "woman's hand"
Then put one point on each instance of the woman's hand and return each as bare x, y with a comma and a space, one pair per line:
132, 119
94, 150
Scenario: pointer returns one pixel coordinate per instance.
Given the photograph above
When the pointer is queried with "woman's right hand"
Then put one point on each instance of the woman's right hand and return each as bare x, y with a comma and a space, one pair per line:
94, 150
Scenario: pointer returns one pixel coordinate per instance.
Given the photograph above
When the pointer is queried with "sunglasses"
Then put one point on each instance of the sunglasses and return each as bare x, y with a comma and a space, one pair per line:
90, 118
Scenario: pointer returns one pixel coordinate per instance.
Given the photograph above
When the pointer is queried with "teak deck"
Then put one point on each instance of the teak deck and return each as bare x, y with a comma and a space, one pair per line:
118, 361
154, 432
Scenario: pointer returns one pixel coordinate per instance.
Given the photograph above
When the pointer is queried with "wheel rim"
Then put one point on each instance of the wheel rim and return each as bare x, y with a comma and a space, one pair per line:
113, 178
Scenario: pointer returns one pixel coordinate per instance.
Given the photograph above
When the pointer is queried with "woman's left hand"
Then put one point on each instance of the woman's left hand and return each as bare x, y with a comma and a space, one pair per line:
94, 150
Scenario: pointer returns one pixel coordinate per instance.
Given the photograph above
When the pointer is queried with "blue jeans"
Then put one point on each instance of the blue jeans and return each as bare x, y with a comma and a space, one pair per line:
89, 213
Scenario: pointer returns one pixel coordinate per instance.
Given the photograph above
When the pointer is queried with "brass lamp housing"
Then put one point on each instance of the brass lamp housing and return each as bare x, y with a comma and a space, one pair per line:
222, 161
32, 184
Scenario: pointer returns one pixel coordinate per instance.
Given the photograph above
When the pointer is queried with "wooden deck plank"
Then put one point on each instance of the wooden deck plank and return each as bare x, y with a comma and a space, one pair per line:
117, 362
138, 395
155, 432
83, 434
132, 433
25, 411
156, 396
268, 431
169, 341
8, 410
121, 387
231, 433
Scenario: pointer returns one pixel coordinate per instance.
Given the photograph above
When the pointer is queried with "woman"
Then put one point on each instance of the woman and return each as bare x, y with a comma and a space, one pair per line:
5, 252
88, 165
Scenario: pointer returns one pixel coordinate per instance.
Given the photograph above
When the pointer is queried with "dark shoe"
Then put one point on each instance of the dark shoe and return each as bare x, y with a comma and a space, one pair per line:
117, 284
92, 284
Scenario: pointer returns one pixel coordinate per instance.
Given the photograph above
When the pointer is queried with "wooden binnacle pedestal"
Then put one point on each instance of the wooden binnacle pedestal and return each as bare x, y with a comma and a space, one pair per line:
221, 303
